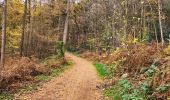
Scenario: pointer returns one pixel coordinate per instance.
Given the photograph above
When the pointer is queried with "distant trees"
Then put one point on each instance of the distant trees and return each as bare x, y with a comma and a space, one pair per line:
111, 23
41, 27
36, 27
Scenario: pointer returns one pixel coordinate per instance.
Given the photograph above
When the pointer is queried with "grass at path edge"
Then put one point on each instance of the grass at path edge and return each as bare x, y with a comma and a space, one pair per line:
101, 70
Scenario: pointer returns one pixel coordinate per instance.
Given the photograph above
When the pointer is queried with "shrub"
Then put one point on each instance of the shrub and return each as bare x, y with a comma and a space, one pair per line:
167, 50
61, 51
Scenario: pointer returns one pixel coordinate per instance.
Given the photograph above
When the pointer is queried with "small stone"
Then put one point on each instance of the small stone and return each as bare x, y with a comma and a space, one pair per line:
125, 75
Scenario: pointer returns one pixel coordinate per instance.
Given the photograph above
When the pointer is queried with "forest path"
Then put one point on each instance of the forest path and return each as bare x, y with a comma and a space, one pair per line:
77, 83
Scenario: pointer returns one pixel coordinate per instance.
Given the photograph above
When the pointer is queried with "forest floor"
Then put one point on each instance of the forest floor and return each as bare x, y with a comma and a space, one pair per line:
80, 82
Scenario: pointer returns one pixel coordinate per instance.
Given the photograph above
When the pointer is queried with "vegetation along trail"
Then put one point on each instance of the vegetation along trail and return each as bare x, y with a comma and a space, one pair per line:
77, 83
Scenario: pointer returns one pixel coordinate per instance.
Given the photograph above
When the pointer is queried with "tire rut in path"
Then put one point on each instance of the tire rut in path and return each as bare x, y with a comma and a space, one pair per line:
77, 83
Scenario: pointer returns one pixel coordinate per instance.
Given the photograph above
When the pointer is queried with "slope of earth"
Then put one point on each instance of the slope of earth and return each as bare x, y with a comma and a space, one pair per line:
78, 83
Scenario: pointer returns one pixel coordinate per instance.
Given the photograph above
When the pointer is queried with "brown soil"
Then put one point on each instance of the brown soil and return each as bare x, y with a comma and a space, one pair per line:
78, 83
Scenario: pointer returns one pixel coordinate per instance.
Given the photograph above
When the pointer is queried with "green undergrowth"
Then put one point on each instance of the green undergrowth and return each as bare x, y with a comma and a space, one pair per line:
123, 89
28, 88
43, 77
6, 96
101, 70
56, 72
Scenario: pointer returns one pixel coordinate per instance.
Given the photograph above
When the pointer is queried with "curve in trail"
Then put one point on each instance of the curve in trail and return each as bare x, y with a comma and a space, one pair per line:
77, 83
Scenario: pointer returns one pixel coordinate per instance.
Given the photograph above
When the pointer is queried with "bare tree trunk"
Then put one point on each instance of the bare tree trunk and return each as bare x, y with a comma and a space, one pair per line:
29, 29
156, 37
23, 29
66, 24
3, 33
160, 21
59, 24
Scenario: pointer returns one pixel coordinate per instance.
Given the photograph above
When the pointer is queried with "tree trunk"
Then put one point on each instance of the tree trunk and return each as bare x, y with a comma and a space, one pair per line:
160, 21
23, 29
3, 33
66, 24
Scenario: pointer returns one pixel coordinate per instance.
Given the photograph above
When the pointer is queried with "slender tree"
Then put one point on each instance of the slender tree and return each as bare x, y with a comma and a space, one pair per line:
4, 16
66, 23
160, 21
23, 29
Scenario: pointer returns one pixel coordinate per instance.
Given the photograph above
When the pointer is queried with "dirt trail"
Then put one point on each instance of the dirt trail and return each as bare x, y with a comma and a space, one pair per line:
77, 83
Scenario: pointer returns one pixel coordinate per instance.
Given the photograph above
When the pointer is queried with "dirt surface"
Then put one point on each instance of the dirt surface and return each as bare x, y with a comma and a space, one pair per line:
78, 83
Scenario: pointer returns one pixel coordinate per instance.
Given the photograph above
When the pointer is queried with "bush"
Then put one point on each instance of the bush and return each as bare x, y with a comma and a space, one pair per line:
61, 51
167, 50
124, 90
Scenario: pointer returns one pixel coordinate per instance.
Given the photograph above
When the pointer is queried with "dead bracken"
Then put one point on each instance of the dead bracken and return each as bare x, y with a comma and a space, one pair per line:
132, 63
19, 72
